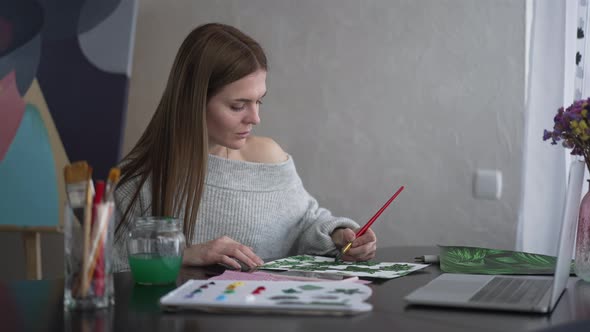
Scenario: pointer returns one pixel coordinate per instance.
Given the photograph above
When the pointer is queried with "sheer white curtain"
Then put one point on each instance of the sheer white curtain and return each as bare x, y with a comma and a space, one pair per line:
551, 82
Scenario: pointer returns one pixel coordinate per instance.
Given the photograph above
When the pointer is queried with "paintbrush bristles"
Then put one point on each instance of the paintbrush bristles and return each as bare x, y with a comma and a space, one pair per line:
76, 172
114, 175
76, 178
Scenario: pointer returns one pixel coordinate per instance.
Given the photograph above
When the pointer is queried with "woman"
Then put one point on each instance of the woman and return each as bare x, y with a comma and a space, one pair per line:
239, 195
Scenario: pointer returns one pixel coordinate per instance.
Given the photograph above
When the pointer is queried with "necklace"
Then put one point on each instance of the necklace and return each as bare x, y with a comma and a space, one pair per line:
226, 152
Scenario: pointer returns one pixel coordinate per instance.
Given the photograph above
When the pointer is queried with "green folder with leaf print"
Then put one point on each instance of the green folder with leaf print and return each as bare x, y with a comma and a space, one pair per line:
476, 260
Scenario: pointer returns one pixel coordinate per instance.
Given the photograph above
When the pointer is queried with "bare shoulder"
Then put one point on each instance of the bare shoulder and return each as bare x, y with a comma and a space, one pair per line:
260, 149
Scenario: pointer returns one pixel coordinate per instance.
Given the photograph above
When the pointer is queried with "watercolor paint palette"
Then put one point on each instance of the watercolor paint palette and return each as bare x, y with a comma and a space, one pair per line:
284, 297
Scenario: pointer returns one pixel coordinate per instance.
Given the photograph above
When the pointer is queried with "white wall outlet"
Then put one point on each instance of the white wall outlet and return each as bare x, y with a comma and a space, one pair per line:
487, 184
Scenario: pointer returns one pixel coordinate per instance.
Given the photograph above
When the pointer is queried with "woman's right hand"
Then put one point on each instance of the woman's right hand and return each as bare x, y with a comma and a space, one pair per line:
223, 250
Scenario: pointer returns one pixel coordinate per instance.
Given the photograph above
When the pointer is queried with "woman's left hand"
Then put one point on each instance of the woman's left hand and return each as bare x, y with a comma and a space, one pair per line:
363, 248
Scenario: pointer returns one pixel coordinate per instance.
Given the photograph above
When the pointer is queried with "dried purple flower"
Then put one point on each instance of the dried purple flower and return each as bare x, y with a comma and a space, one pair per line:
571, 127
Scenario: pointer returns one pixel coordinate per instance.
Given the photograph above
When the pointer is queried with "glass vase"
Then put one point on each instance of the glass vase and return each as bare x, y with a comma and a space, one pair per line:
582, 261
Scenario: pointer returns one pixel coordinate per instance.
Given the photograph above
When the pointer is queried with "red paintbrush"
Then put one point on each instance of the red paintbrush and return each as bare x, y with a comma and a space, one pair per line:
372, 220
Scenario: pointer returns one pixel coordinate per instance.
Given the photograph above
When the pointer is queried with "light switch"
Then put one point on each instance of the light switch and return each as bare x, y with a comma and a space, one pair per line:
487, 184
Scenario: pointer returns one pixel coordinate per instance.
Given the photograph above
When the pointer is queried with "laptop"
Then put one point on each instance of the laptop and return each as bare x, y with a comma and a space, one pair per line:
512, 293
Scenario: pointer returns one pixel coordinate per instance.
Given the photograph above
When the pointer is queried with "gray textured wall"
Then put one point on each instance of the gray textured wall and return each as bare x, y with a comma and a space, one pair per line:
370, 95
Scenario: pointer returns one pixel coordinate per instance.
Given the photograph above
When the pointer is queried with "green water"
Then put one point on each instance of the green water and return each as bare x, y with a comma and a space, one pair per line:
152, 269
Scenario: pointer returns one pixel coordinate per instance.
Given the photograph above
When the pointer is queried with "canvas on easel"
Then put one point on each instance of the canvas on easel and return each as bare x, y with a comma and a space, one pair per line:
62, 97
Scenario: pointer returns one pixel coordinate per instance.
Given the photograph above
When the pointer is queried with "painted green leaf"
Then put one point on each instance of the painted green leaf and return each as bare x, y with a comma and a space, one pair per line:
343, 303
397, 267
360, 269
476, 260
291, 291
349, 291
310, 287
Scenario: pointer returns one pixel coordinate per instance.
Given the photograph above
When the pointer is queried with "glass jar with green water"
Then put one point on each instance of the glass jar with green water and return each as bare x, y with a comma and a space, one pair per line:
155, 248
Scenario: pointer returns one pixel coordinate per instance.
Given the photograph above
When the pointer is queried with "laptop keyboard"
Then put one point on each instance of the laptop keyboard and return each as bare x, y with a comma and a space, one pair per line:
512, 290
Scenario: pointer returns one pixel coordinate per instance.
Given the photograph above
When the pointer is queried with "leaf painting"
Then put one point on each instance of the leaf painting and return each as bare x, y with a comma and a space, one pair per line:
329, 265
310, 287
476, 260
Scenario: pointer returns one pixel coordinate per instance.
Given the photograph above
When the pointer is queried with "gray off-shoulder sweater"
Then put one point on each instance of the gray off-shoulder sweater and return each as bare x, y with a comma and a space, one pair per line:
264, 206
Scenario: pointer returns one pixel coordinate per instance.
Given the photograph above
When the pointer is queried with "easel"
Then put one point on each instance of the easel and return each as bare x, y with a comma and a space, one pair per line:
31, 235
32, 244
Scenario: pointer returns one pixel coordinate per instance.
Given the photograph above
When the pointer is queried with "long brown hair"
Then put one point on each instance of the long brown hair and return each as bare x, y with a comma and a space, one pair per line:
173, 150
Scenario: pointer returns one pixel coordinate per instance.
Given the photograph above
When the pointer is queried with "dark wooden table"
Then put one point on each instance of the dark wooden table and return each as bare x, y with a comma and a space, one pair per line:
38, 306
